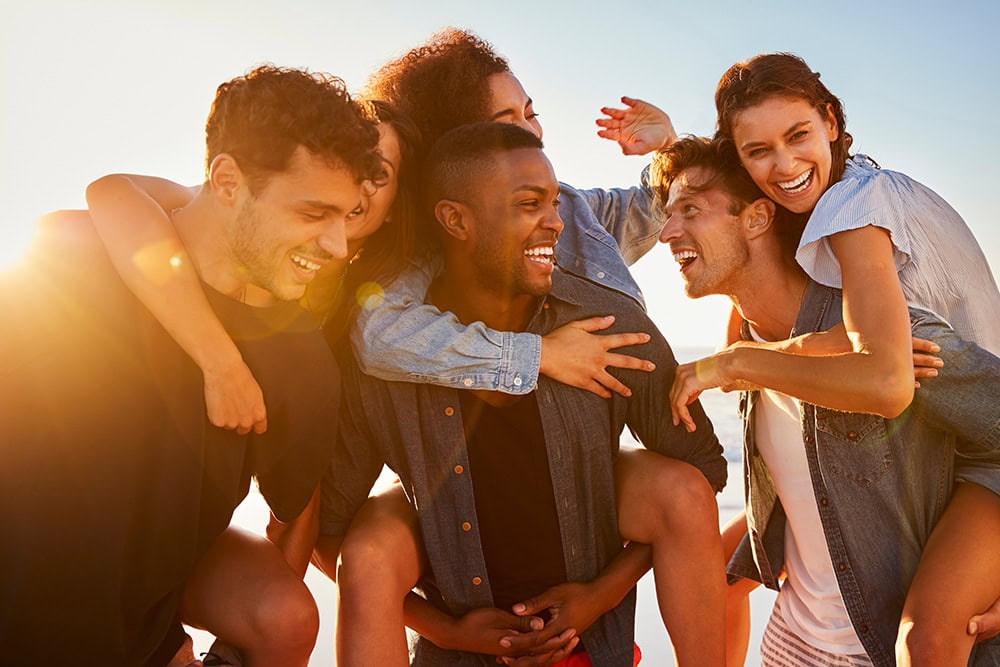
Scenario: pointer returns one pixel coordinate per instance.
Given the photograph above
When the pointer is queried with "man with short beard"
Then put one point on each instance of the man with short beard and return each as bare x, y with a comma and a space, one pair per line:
115, 491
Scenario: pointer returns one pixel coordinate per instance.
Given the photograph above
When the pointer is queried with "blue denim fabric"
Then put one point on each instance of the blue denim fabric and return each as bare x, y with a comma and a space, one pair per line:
399, 337
880, 484
417, 430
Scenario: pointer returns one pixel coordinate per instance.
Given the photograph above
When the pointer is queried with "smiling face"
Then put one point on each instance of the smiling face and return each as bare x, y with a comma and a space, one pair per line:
280, 238
510, 104
514, 225
375, 207
784, 143
705, 236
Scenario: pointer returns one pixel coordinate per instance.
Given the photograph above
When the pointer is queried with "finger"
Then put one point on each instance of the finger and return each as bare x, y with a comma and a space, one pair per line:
921, 372
260, 426
630, 101
614, 112
595, 387
925, 345
609, 123
612, 383
613, 135
614, 341
926, 361
685, 415
627, 361
243, 429
629, 148
592, 324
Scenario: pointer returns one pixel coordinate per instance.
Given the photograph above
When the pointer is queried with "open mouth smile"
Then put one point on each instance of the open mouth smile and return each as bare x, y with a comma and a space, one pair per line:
304, 264
543, 254
685, 257
798, 184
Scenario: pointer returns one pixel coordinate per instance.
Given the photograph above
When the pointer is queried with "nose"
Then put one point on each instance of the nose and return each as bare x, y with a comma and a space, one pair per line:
554, 221
671, 230
333, 239
784, 160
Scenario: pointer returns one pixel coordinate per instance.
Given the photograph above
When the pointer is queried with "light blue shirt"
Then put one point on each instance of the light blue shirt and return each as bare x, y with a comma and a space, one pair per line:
398, 337
941, 266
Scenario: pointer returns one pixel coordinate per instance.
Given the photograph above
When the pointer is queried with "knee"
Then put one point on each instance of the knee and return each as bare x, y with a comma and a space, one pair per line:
684, 501
287, 618
375, 557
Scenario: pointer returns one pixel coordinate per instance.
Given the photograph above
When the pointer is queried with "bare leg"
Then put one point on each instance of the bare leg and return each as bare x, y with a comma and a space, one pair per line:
668, 504
738, 599
297, 538
381, 559
958, 577
244, 593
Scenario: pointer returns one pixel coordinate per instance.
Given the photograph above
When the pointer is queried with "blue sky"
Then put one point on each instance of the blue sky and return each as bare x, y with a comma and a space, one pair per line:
125, 86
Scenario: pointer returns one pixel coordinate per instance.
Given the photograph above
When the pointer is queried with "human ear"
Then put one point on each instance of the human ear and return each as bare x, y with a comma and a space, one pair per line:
758, 217
453, 216
225, 178
830, 124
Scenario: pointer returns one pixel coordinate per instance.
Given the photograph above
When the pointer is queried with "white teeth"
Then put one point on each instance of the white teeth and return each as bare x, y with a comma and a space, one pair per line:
306, 264
797, 185
685, 256
542, 254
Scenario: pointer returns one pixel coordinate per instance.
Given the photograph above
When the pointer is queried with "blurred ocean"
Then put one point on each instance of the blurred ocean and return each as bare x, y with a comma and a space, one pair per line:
650, 635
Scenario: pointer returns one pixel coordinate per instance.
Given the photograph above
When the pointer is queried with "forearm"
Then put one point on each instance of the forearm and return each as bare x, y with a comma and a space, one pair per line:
147, 252
621, 574
428, 621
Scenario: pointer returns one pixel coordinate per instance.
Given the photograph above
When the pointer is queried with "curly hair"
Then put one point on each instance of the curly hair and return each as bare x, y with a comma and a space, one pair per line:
440, 84
718, 157
262, 117
768, 75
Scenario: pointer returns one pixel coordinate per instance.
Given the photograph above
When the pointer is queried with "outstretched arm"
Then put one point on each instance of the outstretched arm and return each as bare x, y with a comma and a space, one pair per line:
638, 129
129, 213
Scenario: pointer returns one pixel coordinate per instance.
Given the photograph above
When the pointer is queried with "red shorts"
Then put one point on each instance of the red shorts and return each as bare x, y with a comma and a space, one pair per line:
581, 660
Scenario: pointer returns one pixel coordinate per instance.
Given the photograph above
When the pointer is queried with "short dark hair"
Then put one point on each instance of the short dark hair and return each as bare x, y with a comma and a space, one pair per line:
459, 159
261, 118
442, 83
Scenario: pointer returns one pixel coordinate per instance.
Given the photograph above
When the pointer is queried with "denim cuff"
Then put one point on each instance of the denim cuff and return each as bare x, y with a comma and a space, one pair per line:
520, 358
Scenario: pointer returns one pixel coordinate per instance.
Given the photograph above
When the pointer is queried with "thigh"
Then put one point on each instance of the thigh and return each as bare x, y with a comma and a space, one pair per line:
959, 572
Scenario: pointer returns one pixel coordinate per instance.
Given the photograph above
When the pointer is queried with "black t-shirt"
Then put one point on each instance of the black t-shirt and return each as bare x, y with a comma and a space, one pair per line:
515, 504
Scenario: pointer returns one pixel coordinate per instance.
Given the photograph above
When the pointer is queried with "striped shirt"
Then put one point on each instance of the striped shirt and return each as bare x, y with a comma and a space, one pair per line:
782, 647
940, 264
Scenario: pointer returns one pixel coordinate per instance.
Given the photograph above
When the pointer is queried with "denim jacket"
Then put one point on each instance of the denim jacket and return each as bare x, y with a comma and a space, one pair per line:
881, 484
417, 430
399, 337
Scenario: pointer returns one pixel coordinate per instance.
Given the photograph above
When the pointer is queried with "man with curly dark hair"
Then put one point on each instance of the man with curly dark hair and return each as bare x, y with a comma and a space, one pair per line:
115, 491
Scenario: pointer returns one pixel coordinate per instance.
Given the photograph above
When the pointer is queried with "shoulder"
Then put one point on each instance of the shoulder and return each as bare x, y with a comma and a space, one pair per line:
575, 298
866, 187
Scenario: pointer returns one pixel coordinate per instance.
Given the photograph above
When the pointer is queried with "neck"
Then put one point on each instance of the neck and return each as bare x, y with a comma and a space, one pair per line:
201, 226
771, 294
462, 293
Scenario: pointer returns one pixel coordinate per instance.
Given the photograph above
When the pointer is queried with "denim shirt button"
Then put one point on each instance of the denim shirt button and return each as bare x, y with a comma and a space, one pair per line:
600, 274
809, 438
518, 381
476, 581
824, 502
841, 566
459, 469
467, 382
852, 436
864, 629
466, 526
449, 411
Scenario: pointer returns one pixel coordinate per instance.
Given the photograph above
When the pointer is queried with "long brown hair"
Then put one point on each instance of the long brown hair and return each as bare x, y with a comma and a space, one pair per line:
768, 75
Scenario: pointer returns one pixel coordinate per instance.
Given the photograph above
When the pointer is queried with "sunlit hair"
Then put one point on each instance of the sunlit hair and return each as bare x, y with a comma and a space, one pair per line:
442, 83
262, 117
460, 161
720, 162
386, 252
747, 84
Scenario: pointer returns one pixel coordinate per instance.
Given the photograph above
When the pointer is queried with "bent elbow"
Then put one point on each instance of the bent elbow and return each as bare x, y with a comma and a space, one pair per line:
895, 396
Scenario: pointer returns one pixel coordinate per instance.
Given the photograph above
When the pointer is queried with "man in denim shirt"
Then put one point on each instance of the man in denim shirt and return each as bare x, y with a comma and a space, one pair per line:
859, 493
498, 267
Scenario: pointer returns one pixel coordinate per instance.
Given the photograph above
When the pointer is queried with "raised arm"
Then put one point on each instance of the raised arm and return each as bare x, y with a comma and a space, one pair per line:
130, 215
405, 339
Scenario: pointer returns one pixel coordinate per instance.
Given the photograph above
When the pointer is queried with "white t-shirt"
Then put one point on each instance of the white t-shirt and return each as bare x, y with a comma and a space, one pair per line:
810, 597
941, 266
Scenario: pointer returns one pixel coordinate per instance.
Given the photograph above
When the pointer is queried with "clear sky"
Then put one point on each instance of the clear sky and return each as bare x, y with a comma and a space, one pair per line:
98, 87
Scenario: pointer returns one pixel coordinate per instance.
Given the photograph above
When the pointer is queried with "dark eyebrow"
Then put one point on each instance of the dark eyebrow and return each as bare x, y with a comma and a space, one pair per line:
333, 208
538, 189
792, 129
